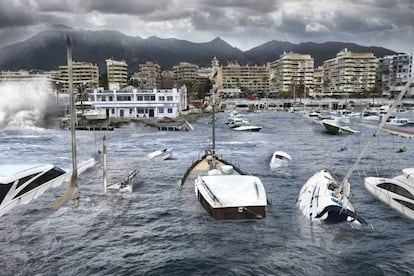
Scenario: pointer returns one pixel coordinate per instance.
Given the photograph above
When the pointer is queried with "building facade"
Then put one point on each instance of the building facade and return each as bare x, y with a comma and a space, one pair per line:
349, 74
83, 73
393, 73
140, 104
149, 76
292, 75
117, 74
249, 79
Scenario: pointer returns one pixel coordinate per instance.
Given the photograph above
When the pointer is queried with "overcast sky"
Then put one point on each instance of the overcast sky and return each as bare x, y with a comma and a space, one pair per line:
242, 23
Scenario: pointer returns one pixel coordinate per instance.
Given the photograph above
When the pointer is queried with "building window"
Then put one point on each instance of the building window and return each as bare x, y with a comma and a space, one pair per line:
130, 111
147, 98
113, 110
162, 98
170, 110
160, 110
111, 98
169, 98
139, 98
103, 98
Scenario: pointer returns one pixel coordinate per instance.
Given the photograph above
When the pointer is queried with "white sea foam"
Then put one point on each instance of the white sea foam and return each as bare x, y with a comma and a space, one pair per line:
24, 104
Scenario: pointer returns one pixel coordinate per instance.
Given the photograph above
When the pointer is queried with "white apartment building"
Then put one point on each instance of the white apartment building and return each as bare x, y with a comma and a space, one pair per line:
140, 104
393, 73
84, 73
117, 73
349, 73
292, 75
252, 79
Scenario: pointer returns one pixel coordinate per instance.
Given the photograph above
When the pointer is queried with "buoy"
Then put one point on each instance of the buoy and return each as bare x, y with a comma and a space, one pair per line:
403, 149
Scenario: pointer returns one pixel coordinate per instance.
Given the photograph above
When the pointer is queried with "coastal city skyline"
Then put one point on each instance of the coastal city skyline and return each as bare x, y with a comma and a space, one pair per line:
242, 24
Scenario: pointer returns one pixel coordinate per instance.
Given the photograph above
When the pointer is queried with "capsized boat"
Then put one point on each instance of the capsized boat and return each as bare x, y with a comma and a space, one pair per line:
397, 192
336, 126
279, 159
319, 201
21, 183
161, 154
322, 189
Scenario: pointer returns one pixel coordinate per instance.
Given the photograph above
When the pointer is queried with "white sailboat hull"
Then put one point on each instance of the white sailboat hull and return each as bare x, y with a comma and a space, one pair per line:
318, 203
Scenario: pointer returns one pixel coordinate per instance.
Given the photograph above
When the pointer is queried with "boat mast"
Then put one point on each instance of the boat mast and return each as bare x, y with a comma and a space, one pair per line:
72, 190
344, 182
213, 78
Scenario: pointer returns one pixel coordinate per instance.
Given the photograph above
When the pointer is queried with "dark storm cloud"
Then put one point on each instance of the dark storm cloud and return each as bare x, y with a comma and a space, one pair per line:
131, 7
12, 16
202, 20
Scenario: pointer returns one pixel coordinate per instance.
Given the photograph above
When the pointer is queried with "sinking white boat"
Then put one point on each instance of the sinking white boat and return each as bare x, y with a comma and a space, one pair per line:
224, 190
397, 192
337, 126
252, 128
319, 201
226, 195
21, 183
279, 159
161, 154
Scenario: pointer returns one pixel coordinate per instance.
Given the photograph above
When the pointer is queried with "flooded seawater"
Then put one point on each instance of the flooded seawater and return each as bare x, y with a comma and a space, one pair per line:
161, 230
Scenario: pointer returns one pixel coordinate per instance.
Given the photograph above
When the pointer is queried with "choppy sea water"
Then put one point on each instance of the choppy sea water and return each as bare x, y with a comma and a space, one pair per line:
161, 230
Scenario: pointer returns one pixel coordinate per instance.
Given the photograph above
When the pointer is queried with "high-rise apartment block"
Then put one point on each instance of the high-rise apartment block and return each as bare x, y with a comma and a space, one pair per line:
185, 71
149, 75
251, 79
117, 73
349, 74
393, 73
83, 73
292, 73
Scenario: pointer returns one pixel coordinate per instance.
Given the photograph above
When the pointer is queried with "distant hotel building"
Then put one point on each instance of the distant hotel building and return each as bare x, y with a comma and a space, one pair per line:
82, 72
349, 73
250, 79
117, 73
149, 76
292, 75
140, 104
393, 73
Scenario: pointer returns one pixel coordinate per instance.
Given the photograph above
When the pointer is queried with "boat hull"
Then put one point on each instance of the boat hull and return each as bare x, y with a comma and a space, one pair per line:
317, 201
24, 194
395, 192
233, 213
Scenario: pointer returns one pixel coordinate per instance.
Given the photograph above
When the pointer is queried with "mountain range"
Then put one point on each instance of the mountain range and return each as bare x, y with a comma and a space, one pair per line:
47, 50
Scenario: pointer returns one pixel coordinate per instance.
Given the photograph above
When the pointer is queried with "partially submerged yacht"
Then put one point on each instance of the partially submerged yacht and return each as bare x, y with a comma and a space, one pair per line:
397, 192
224, 190
20, 184
231, 196
319, 201
279, 159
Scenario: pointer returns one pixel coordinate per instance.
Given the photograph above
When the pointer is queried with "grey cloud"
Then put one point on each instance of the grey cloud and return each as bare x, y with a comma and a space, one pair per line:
131, 7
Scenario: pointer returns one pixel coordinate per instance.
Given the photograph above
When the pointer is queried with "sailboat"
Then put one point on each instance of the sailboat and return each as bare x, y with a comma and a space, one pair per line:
223, 189
326, 200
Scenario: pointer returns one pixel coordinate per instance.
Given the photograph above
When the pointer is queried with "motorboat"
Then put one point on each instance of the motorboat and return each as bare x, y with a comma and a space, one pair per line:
21, 183
337, 126
397, 192
163, 154
400, 122
279, 159
323, 198
231, 196
319, 201
94, 114
252, 128
224, 190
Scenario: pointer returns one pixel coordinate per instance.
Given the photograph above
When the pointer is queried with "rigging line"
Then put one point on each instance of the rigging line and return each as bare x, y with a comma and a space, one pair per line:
376, 133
